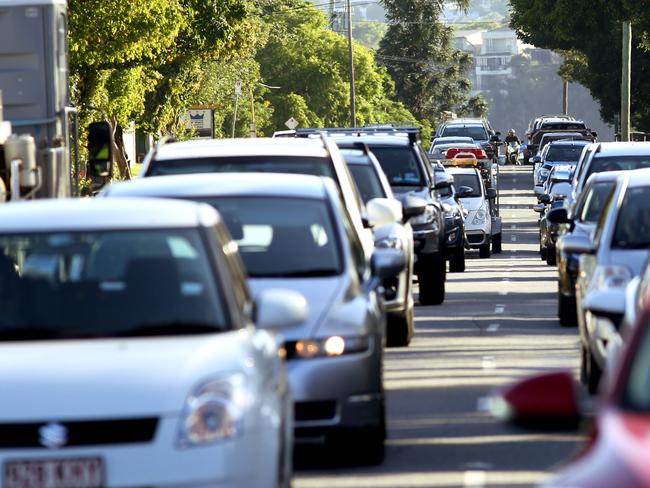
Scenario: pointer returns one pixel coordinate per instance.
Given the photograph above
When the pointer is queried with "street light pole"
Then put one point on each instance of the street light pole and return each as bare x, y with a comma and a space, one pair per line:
353, 102
626, 81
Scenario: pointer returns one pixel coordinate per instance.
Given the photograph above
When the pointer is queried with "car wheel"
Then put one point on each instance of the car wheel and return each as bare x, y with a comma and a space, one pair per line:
457, 261
594, 373
542, 251
496, 243
485, 250
566, 311
551, 257
432, 280
583, 365
399, 328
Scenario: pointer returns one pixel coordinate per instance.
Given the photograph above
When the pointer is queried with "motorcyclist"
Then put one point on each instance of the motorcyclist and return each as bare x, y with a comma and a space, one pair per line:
512, 137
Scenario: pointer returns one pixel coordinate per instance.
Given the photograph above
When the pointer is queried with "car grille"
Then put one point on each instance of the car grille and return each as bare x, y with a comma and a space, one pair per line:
323, 410
475, 238
80, 433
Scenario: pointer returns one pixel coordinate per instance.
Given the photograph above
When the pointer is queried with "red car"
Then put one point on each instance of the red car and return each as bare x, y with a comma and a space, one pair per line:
618, 453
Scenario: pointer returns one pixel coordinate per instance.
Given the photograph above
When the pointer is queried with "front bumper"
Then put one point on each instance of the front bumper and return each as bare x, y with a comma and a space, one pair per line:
337, 393
426, 239
476, 238
249, 460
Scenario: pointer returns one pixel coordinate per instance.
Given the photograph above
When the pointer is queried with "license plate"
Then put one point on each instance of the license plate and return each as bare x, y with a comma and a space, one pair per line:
55, 473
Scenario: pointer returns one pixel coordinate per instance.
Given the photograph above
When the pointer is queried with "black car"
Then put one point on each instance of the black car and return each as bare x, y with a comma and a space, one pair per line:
405, 163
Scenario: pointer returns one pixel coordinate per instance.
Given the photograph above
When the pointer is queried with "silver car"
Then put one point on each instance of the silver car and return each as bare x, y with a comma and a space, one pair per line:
294, 232
611, 257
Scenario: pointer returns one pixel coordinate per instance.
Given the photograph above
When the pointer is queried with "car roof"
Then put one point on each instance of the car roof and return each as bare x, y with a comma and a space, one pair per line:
446, 139
223, 184
466, 120
462, 171
569, 142
551, 120
563, 134
345, 142
263, 146
638, 177
93, 214
623, 149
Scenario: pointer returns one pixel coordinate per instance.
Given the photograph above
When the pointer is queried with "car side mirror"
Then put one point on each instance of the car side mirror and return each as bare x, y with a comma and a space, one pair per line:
550, 400
576, 244
545, 198
491, 193
412, 207
278, 309
464, 192
387, 263
382, 211
558, 216
539, 208
537, 159
100, 150
439, 185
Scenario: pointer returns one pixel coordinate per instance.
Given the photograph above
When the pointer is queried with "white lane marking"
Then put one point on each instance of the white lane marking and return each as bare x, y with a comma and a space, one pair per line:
474, 479
503, 293
513, 238
493, 327
499, 308
514, 215
513, 226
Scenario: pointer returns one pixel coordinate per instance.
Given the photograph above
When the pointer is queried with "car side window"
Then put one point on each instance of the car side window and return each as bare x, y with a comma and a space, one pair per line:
236, 270
595, 201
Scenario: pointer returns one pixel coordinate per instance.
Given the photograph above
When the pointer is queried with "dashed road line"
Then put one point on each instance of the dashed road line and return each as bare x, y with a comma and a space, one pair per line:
499, 308
474, 479
493, 327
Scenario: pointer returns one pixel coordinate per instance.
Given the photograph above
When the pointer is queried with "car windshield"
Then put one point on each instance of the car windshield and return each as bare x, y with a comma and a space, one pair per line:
595, 201
636, 393
568, 153
400, 165
470, 180
282, 237
476, 132
244, 164
367, 181
633, 224
616, 163
107, 284
562, 125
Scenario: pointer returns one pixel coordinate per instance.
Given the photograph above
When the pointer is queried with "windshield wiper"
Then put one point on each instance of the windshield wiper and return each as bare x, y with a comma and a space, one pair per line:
168, 329
307, 273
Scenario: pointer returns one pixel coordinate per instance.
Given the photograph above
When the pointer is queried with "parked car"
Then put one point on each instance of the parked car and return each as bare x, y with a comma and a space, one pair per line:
579, 223
317, 156
398, 290
549, 231
129, 352
483, 230
609, 260
555, 153
405, 164
616, 448
294, 232
439, 145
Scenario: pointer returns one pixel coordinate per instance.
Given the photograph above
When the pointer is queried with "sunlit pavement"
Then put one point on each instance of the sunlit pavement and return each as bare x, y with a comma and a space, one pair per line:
498, 323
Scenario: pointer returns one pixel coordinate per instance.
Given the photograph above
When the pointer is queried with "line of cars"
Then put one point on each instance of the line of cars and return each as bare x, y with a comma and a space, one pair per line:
601, 226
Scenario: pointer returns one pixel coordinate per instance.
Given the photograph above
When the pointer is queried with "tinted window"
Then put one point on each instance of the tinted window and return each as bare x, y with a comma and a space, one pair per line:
282, 237
633, 224
470, 180
595, 201
476, 132
106, 284
367, 181
617, 163
400, 164
564, 153
248, 164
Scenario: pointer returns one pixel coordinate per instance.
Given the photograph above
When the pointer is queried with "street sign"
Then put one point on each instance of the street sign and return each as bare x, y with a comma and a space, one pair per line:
291, 123
238, 88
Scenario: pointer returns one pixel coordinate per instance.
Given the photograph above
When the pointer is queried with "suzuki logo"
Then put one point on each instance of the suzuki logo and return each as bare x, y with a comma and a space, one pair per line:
53, 435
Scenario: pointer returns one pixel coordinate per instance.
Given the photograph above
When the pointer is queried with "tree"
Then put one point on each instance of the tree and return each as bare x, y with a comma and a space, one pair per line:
430, 75
591, 42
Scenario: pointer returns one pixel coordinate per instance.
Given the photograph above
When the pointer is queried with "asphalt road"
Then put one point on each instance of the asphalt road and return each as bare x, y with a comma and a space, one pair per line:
497, 324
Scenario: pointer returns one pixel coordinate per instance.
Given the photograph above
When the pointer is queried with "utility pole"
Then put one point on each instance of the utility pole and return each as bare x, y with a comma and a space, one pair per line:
626, 81
565, 97
353, 102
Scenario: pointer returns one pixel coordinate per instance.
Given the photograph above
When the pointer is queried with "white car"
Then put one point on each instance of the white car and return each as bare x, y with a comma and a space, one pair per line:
482, 225
128, 355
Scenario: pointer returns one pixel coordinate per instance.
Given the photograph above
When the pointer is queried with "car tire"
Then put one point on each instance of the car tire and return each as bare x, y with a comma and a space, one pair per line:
457, 261
542, 252
496, 243
566, 311
551, 256
432, 280
485, 251
583, 365
594, 373
399, 328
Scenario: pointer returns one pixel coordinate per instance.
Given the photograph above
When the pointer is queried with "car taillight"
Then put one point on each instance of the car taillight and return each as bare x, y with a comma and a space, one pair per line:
481, 154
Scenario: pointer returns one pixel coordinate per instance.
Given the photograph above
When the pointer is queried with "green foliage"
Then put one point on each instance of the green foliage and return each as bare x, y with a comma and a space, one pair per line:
590, 34
430, 74
369, 33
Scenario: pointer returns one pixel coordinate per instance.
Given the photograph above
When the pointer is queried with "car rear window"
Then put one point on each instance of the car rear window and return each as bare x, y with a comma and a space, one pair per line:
400, 164
470, 180
567, 153
617, 163
476, 132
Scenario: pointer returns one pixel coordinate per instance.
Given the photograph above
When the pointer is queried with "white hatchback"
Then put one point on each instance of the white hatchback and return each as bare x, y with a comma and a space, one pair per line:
128, 355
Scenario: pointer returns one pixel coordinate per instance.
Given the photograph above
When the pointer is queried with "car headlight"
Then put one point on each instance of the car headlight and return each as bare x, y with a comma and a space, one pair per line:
214, 411
427, 217
328, 347
611, 276
479, 216
389, 243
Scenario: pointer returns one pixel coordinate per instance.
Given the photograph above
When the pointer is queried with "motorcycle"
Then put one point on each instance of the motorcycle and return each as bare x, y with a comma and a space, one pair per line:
512, 152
